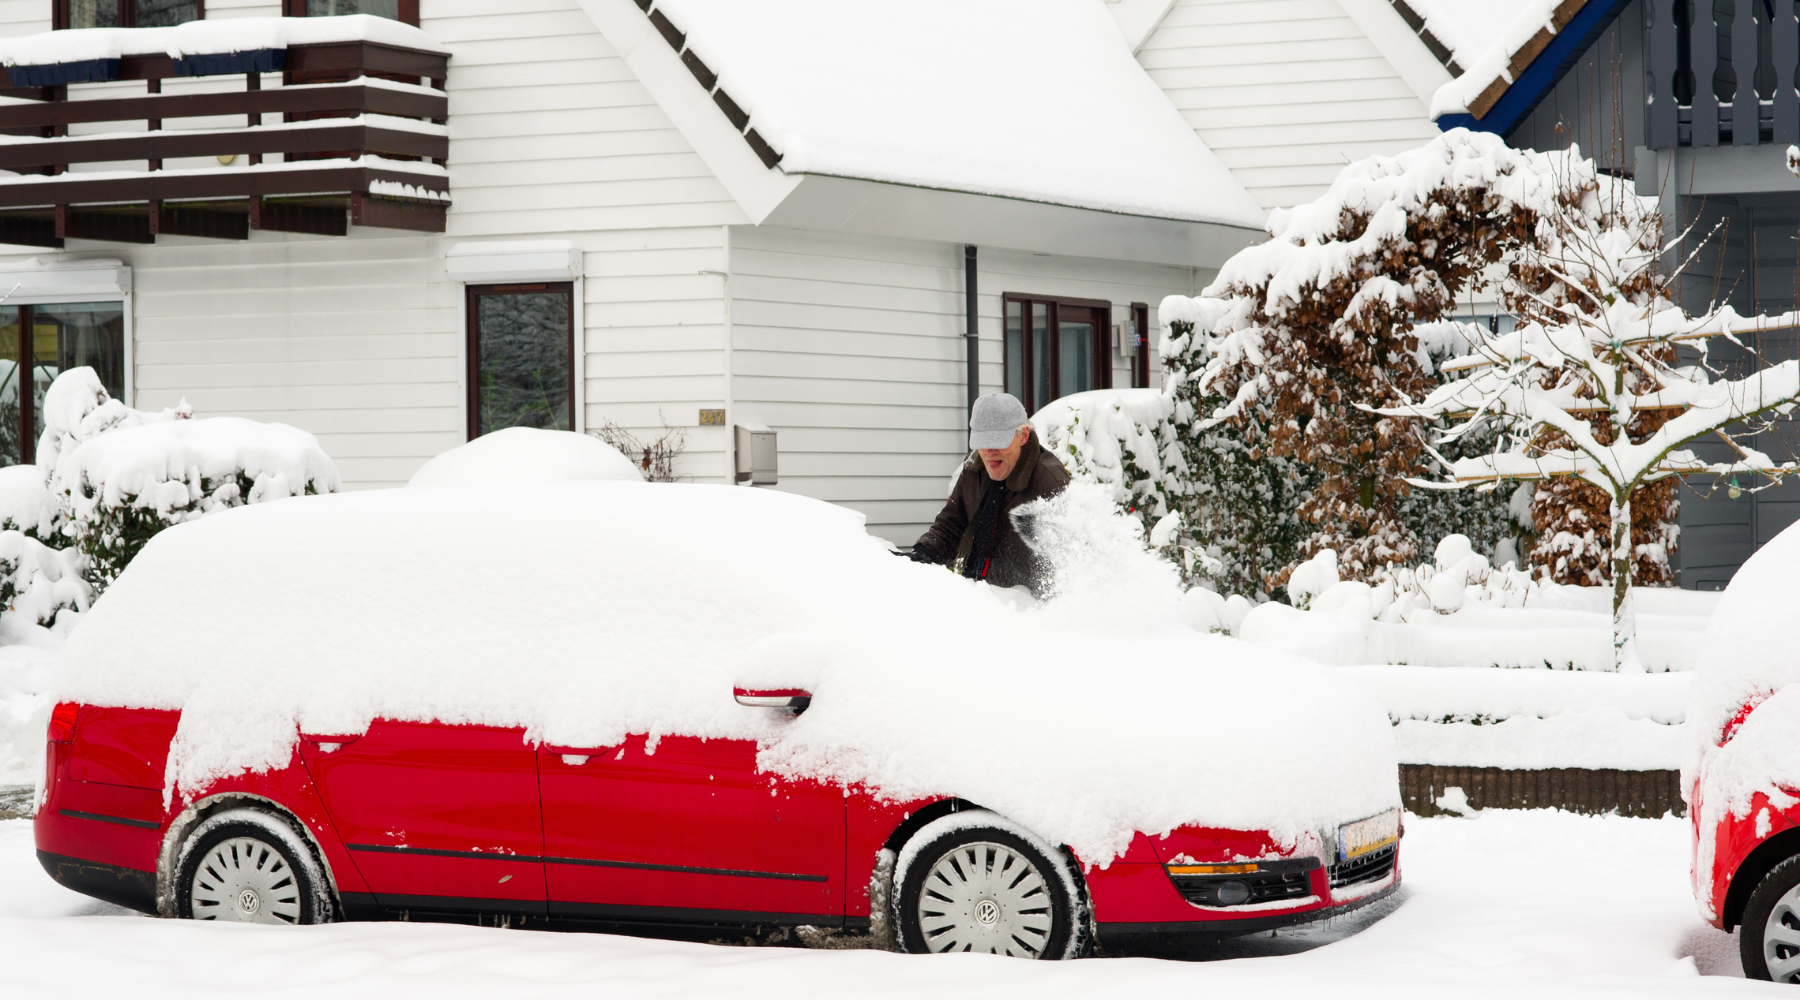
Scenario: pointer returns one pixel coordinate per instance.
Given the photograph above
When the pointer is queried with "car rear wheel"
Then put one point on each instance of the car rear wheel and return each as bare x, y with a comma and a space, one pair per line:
986, 888
247, 866
1769, 941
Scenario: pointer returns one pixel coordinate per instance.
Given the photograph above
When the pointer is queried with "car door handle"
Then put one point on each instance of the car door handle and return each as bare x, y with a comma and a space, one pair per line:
330, 744
576, 756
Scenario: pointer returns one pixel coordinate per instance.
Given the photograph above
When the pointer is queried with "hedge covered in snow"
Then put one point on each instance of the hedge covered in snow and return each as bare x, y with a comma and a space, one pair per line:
109, 477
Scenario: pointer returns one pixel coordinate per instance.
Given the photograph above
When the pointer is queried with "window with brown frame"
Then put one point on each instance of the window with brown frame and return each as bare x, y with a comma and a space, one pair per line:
521, 349
1056, 347
393, 10
124, 13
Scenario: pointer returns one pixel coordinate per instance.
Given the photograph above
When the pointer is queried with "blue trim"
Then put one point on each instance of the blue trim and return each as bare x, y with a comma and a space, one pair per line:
100, 70
221, 63
1530, 86
57, 74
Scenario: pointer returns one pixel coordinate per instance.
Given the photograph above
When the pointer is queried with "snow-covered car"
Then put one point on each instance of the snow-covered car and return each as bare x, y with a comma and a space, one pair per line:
679, 706
1743, 772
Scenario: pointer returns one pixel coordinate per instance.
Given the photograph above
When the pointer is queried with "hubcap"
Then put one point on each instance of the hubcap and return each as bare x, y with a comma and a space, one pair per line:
985, 897
247, 880
1781, 938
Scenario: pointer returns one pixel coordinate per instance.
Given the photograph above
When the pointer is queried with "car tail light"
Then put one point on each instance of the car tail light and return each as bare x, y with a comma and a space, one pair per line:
62, 722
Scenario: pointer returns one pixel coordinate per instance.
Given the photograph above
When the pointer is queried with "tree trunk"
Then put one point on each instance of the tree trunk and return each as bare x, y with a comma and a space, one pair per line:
1624, 618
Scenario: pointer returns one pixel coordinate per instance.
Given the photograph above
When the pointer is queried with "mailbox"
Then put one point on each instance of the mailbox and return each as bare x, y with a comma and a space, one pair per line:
756, 455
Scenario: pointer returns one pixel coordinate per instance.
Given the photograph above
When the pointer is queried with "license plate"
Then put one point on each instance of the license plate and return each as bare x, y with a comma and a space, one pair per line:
1367, 835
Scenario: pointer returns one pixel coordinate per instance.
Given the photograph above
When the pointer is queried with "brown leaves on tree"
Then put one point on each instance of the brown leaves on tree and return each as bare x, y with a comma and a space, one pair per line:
1346, 343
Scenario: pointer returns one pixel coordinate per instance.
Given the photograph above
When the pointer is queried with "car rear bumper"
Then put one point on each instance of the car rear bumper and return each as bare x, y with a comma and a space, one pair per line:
115, 884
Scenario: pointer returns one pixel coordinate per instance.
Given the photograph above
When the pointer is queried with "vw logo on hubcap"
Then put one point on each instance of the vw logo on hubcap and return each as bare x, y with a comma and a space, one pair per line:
249, 901
987, 912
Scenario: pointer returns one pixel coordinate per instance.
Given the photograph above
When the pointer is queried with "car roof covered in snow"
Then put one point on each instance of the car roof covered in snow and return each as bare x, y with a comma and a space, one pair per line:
584, 611
1032, 99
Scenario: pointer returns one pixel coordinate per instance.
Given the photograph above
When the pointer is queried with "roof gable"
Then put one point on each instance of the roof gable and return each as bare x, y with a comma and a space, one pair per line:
1038, 100
1508, 77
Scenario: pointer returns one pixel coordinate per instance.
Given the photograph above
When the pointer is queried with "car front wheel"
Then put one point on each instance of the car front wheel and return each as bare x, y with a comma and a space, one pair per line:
974, 882
1769, 941
248, 866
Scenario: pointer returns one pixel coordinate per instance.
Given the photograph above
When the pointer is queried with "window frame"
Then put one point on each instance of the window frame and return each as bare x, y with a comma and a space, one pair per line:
472, 344
1140, 361
409, 10
1102, 345
30, 424
59, 13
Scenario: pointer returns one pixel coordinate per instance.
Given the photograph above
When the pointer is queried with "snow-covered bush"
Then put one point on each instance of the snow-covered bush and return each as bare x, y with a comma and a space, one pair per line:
118, 475
1118, 439
40, 582
1458, 577
1241, 502
40, 578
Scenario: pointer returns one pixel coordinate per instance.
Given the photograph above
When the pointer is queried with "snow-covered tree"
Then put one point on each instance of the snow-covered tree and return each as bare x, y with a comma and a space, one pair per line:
1315, 329
1589, 387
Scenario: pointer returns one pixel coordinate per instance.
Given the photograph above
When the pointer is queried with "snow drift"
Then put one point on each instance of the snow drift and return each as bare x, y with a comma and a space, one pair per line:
526, 455
586, 611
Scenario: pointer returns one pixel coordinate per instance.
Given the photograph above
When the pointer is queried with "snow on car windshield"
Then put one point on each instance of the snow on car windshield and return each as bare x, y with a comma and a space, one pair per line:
585, 611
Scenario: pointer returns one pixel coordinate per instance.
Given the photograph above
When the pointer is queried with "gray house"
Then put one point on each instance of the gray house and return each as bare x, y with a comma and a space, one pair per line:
1695, 100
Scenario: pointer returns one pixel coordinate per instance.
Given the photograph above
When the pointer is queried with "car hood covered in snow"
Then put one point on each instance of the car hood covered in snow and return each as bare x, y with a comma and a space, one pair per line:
586, 611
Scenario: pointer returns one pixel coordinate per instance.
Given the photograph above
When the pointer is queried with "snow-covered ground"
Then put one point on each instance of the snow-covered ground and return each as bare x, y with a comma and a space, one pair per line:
1495, 905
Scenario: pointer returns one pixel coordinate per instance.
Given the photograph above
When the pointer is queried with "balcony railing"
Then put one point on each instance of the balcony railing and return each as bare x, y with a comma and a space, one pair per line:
1720, 73
362, 140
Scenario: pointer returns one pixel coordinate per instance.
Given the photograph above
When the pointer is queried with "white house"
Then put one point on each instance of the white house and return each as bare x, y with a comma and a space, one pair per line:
398, 223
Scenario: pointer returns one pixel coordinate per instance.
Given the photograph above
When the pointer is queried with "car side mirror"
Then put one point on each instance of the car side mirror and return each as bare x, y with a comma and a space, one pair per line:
793, 699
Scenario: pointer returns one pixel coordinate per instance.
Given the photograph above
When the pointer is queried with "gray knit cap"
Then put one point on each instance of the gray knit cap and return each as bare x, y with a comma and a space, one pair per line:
994, 419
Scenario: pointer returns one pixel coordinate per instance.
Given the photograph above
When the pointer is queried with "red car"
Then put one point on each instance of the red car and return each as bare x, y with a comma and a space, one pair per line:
1747, 861
417, 819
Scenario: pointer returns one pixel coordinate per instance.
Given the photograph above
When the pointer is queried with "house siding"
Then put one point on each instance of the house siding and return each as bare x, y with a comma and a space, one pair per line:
361, 339
1285, 92
852, 349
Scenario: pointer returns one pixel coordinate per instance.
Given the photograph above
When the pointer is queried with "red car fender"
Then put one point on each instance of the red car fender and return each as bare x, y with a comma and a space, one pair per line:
872, 824
1735, 839
288, 790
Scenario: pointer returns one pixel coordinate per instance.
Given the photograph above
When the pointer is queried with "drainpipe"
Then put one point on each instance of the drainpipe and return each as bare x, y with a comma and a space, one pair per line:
973, 324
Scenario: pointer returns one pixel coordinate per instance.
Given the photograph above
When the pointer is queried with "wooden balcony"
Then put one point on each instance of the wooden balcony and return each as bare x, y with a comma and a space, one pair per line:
362, 140
1720, 73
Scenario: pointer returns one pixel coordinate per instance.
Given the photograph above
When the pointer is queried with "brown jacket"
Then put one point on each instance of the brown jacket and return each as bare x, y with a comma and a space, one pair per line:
1038, 474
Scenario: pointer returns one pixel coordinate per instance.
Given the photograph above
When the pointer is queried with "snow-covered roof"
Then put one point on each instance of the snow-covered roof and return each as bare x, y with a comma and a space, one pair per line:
1469, 28
1032, 99
1503, 43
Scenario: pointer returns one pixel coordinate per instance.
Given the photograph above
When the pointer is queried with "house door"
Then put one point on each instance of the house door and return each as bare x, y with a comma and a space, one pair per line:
688, 830
437, 817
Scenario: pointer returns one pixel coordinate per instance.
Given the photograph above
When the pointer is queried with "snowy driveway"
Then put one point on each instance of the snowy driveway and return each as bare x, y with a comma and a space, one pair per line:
1500, 904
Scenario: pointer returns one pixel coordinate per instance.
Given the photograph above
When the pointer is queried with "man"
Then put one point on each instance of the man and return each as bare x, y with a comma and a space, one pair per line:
974, 533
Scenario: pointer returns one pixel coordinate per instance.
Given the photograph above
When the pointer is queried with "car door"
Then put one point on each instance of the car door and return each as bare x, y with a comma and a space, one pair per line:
436, 817
688, 829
